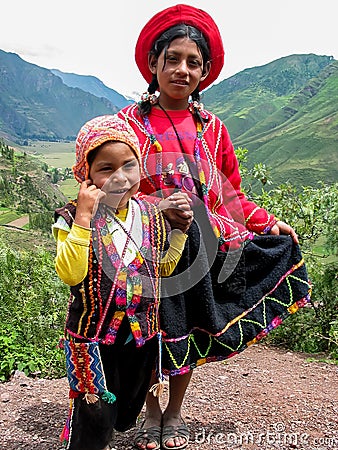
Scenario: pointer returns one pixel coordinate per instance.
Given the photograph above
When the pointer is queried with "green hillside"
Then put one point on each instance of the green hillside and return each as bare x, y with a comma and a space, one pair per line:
285, 113
248, 97
296, 106
300, 141
25, 185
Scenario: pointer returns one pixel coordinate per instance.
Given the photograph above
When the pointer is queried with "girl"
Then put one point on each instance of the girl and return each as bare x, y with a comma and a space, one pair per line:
241, 272
110, 250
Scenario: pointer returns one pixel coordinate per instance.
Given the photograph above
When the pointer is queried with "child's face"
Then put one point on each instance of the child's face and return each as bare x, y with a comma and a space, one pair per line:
115, 170
182, 72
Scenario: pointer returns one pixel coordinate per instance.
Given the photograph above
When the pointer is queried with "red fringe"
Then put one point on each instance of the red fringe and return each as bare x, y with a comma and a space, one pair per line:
73, 394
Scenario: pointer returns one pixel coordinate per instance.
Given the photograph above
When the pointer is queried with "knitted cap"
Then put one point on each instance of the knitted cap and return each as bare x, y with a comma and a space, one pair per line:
96, 132
170, 17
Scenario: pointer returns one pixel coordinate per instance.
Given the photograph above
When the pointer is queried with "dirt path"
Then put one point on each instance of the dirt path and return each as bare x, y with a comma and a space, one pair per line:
262, 399
19, 223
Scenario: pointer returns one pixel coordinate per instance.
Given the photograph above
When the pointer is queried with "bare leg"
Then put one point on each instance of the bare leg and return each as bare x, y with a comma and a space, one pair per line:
172, 414
153, 416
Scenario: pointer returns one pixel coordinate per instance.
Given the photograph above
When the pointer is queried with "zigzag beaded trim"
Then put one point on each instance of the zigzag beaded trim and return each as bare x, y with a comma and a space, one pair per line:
291, 307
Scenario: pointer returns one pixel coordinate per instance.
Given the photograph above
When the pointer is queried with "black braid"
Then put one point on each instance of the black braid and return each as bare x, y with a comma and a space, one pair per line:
145, 106
195, 97
153, 86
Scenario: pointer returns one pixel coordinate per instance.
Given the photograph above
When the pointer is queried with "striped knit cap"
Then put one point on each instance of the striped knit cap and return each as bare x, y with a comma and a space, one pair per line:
96, 132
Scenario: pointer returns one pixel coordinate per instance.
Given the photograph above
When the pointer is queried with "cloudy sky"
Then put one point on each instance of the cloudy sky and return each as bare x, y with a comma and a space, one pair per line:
98, 38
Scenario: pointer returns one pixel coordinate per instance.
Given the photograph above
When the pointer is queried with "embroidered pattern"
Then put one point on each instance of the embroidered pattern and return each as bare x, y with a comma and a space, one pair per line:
228, 232
84, 367
241, 322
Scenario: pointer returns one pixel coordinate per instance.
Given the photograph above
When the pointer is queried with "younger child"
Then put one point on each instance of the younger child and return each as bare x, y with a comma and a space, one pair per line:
111, 251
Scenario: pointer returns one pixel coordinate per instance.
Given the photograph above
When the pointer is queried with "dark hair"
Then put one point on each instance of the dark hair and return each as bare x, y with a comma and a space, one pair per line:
163, 43
92, 154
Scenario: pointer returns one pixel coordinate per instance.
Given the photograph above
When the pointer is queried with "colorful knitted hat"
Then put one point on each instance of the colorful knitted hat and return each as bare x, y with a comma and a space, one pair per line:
170, 17
94, 133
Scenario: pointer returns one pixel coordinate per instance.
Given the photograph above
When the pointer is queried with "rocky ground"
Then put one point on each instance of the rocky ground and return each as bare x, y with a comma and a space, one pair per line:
264, 398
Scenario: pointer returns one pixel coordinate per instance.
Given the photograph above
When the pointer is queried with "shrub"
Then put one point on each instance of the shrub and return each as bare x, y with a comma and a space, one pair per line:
33, 304
313, 212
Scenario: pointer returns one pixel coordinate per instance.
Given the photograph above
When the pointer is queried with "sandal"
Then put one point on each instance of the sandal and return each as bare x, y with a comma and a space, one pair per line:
170, 432
150, 434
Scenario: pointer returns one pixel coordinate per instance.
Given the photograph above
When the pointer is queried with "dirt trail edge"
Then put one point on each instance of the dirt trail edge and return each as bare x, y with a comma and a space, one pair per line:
263, 398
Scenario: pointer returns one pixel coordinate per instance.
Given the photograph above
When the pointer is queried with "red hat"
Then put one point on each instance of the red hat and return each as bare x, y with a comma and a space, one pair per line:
170, 17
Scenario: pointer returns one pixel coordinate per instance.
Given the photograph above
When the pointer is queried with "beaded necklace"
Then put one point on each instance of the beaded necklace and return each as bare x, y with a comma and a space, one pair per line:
139, 250
127, 285
197, 153
106, 240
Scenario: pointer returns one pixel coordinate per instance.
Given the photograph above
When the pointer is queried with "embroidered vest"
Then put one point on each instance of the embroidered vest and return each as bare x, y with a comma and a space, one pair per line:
132, 291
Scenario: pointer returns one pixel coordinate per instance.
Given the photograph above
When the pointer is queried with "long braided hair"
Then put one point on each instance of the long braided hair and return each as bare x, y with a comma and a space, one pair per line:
163, 43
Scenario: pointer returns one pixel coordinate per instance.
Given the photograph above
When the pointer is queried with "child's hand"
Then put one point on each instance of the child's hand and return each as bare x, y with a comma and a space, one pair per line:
284, 228
87, 201
177, 210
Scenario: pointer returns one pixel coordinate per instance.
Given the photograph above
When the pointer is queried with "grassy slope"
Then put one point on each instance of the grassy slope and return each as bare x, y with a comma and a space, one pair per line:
28, 240
303, 141
285, 113
55, 154
69, 188
25, 187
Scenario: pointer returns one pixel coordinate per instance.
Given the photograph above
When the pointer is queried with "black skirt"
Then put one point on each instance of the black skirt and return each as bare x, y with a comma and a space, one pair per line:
215, 304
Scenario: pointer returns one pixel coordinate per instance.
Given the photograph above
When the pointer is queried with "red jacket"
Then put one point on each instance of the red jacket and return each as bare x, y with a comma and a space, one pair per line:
233, 216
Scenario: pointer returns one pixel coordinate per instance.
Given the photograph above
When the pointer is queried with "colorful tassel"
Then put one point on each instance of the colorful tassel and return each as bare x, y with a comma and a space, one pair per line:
90, 398
61, 343
108, 397
157, 389
73, 394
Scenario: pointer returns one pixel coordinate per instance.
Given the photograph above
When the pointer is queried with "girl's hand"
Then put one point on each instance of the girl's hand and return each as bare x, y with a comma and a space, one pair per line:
177, 210
283, 228
87, 200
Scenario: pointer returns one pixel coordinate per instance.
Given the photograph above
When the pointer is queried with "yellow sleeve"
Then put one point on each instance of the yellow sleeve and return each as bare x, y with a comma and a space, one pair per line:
170, 260
71, 262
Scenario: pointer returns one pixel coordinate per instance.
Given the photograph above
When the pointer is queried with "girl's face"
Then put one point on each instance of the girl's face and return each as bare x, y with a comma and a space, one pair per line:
181, 74
115, 170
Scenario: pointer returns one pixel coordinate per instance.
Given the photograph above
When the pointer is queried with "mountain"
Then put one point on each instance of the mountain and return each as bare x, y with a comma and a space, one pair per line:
285, 113
92, 85
36, 104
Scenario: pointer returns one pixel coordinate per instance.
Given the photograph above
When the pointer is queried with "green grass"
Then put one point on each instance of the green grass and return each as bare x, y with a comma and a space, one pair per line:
320, 250
58, 155
62, 160
8, 216
45, 147
55, 154
69, 188
26, 240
